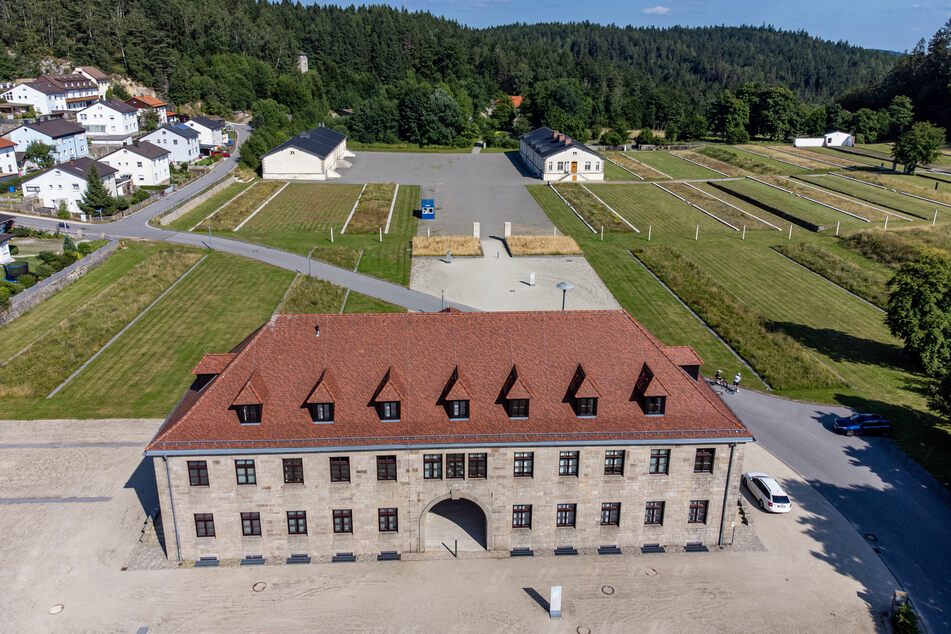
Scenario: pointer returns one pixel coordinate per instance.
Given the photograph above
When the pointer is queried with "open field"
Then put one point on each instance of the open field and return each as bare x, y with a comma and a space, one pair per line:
359, 303
742, 160
778, 166
864, 282
712, 163
800, 211
911, 184
344, 257
373, 208
439, 245
235, 213
614, 173
904, 205
674, 166
796, 159
595, 213
196, 215
542, 245
308, 295
719, 209
844, 203
839, 158
857, 158
648, 205
628, 162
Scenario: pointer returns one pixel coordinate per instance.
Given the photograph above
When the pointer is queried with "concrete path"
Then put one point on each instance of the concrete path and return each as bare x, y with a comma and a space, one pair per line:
901, 509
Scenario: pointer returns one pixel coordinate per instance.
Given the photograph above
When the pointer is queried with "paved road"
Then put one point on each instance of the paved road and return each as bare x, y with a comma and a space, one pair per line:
872, 485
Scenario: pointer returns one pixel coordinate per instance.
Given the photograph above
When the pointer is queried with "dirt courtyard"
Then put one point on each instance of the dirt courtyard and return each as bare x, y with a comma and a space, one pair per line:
802, 572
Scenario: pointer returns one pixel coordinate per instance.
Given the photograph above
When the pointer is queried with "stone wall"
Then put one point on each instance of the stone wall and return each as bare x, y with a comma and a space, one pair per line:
22, 302
413, 496
191, 203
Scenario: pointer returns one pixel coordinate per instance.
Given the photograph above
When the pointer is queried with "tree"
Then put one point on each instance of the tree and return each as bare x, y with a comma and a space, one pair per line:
646, 137
62, 212
696, 127
729, 114
613, 138
902, 114
97, 198
919, 310
40, 153
150, 119
68, 244
920, 145
779, 113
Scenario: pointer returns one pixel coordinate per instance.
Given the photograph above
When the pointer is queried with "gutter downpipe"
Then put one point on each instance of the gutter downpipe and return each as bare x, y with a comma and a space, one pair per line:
726, 495
171, 497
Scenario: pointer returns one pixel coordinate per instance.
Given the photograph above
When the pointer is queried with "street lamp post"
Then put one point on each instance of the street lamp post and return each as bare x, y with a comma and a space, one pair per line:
565, 287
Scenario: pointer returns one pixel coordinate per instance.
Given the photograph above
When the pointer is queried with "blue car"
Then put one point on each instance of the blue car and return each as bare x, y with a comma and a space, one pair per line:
862, 424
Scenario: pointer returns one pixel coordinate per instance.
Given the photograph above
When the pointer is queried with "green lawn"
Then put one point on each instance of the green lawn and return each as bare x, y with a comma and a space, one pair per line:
721, 210
877, 196
308, 295
614, 173
744, 160
595, 213
788, 203
358, 303
238, 211
909, 183
373, 208
196, 215
648, 205
628, 161
784, 157
674, 166
777, 167
848, 204
865, 160
497, 150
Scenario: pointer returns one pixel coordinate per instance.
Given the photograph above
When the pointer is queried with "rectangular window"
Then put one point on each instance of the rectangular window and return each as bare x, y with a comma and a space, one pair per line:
455, 466
296, 522
75, 187
614, 462
293, 471
432, 466
654, 513
198, 473
703, 463
249, 414
138, 164
389, 410
386, 467
698, 512
660, 458
518, 407
477, 465
610, 514
343, 521
458, 409
586, 406
522, 516
561, 165
549, 166
587, 166
565, 516
655, 405
245, 471
321, 412
251, 524
524, 464
568, 463
597, 166
204, 525
340, 469
388, 520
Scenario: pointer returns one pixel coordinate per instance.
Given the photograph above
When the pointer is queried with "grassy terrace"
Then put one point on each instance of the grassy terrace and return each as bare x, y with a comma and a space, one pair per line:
648, 205
595, 213
719, 209
235, 213
904, 205
742, 160
838, 158
864, 282
794, 206
373, 208
778, 167
857, 158
309, 295
795, 159
627, 161
841, 202
614, 173
199, 213
674, 166
917, 185
712, 163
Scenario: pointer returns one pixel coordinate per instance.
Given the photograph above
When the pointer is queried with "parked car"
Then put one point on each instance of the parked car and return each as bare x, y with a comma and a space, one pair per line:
221, 153
862, 424
767, 492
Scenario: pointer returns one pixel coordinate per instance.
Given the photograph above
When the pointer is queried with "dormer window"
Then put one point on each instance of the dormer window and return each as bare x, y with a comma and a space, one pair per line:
249, 414
586, 406
388, 410
458, 409
650, 393
321, 412
517, 407
654, 405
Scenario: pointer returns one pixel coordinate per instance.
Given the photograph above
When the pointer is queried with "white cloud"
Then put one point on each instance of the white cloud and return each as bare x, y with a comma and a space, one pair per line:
658, 10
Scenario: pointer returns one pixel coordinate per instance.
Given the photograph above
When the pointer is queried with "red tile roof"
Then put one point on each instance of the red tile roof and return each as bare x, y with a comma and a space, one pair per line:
413, 358
145, 101
516, 100
5, 143
213, 363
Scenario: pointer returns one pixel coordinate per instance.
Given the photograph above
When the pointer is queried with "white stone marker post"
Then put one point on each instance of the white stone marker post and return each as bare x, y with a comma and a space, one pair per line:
554, 605
507, 230
476, 230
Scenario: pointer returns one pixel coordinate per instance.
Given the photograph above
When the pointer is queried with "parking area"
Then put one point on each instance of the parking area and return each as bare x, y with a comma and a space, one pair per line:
484, 188
805, 572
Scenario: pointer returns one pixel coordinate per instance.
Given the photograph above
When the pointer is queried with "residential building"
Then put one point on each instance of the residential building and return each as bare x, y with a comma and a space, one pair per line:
5, 256
109, 118
143, 162
321, 434
311, 155
66, 182
67, 138
552, 156
148, 102
211, 132
8, 157
95, 75
42, 96
78, 90
178, 138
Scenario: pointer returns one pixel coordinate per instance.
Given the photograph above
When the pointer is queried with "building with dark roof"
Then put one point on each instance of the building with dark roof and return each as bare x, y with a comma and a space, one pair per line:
211, 132
67, 183
322, 434
178, 139
552, 156
111, 117
95, 75
312, 155
67, 138
144, 163
143, 103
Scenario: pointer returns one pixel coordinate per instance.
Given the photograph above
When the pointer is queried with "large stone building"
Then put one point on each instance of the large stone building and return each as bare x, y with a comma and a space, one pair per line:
552, 156
312, 155
326, 434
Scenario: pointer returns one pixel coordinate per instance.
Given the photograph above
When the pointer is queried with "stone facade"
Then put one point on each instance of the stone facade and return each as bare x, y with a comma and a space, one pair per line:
413, 496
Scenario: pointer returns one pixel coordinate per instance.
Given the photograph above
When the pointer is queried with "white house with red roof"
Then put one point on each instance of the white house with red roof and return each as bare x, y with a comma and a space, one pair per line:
8, 157
147, 102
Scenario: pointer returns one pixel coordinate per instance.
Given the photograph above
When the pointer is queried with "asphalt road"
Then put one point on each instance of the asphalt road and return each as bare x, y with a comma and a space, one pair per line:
899, 509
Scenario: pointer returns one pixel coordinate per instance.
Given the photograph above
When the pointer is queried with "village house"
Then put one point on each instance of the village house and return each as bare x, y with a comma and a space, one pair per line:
143, 162
42, 96
147, 102
552, 156
369, 434
95, 75
67, 182
311, 155
79, 90
109, 118
8, 157
211, 132
67, 138
831, 139
177, 138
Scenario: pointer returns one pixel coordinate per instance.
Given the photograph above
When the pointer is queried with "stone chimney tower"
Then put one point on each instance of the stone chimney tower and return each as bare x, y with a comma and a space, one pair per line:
302, 62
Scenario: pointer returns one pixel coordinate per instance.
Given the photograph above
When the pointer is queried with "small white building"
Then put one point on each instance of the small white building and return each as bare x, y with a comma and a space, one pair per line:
67, 138
67, 183
144, 163
552, 156
311, 155
831, 139
95, 75
42, 96
178, 139
5, 256
211, 132
111, 117
8, 157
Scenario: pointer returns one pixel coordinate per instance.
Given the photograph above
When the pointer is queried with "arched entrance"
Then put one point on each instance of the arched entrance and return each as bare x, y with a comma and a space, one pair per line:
447, 521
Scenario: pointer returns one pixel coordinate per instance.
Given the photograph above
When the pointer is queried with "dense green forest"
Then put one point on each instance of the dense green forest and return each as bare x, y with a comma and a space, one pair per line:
417, 77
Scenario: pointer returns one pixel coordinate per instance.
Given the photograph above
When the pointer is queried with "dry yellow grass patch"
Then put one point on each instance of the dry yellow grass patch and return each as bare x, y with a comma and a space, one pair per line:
438, 245
543, 245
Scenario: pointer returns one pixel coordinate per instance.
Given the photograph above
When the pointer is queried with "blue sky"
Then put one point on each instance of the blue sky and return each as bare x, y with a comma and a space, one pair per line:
886, 24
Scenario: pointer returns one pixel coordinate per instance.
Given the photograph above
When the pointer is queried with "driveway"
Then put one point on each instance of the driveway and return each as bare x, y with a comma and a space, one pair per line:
879, 490
484, 188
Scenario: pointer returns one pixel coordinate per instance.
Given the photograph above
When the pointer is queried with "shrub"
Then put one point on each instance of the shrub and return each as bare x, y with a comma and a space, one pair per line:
47, 256
122, 203
85, 248
882, 247
68, 257
905, 621
27, 280
14, 249
68, 244
4, 298
43, 270
140, 195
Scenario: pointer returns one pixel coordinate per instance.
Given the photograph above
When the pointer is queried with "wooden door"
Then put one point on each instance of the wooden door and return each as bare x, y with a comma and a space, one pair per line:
574, 167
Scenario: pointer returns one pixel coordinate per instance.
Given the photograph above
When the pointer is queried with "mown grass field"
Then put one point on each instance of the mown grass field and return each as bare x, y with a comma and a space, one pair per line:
196, 215
742, 160
718, 208
591, 209
308, 295
844, 203
359, 303
674, 166
237, 211
793, 205
373, 208
614, 173
838, 158
649, 206
864, 282
720, 166
627, 161
776, 166
904, 205
912, 184
795, 159
849, 156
